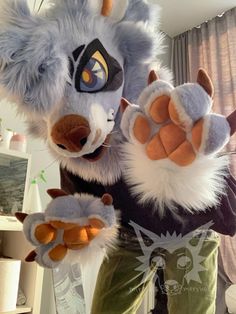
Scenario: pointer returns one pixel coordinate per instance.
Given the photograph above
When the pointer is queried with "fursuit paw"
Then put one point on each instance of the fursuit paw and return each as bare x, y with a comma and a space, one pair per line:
172, 141
176, 123
69, 223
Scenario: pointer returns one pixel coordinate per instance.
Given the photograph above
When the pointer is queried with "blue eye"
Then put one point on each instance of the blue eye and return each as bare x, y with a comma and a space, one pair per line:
94, 76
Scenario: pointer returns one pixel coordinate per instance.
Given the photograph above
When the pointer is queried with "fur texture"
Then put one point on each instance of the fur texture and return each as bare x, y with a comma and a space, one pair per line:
192, 102
195, 187
216, 133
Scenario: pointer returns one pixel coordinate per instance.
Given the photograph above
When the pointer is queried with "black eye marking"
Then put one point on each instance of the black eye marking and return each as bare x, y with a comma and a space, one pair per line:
71, 67
76, 53
97, 70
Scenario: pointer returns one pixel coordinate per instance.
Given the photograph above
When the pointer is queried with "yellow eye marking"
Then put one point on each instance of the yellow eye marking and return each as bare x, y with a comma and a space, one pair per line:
98, 56
85, 76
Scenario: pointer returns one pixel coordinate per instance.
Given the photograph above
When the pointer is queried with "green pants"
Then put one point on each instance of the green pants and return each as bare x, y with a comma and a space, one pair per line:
189, 268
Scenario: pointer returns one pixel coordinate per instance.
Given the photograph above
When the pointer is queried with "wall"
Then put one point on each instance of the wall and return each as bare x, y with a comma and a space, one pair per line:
166, 56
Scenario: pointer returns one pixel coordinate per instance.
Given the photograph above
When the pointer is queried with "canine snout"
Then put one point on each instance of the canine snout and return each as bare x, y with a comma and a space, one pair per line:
71, 133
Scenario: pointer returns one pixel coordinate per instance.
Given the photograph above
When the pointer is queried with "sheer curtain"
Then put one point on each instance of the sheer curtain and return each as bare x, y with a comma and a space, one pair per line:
212, 46
180, 59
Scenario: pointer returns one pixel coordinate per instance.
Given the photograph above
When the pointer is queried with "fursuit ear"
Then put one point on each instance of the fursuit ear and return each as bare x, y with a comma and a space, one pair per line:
33, 70
113, 9
143, 11
15, 23
135, 43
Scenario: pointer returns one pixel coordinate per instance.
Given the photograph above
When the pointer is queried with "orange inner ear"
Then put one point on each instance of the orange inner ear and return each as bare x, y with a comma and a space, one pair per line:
107, 7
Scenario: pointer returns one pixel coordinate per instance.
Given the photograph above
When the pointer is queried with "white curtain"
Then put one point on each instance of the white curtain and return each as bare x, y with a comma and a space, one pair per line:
180, 59
212, 46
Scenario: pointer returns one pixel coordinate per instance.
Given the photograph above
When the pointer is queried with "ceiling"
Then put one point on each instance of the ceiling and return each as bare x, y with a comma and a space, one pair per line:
179, 16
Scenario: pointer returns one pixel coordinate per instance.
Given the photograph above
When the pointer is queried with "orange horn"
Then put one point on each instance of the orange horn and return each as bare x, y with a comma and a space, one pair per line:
21, 216
31, 257
107, 7
54, 193
107, 199
152, 77
232, 122
124, 103
204, 81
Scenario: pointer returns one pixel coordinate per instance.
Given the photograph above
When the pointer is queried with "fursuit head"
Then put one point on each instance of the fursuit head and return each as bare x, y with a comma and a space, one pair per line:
69, 66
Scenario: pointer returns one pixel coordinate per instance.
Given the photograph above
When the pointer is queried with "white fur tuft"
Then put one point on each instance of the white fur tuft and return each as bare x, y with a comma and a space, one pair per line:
105, 241
195, 187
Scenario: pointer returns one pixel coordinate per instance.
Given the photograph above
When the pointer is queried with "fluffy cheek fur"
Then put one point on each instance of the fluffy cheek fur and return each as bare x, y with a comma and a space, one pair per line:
195, 187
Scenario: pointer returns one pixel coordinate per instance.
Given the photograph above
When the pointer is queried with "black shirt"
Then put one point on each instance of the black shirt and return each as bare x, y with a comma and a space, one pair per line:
223, 216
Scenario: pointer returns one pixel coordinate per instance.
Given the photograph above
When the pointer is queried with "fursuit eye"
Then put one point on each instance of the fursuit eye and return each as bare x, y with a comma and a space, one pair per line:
95, 74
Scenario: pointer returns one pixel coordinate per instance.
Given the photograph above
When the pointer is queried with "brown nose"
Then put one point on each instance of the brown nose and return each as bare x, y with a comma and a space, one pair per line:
71, 133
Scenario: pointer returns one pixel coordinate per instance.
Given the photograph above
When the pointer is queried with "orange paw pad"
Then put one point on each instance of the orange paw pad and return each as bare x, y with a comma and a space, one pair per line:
92, 232
142, 129
159, 109
155, 149
58, 253
62, 225
174, 116
184, 155
96, 223
76, 235
45, 233
171, 143
171, 136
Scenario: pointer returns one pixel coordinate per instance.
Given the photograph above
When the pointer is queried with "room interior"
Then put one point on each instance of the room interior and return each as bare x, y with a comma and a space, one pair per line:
179, 20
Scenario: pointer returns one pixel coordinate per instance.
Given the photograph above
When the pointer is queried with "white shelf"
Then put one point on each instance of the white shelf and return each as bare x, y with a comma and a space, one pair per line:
10, 223
14, 153
14, 245
19, 310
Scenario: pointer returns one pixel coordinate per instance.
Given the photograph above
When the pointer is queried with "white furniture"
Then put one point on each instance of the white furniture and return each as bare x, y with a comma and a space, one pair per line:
230, 299
13, 243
